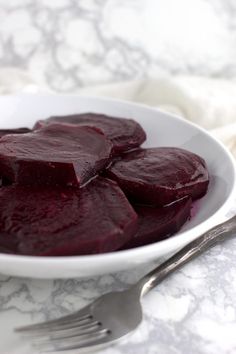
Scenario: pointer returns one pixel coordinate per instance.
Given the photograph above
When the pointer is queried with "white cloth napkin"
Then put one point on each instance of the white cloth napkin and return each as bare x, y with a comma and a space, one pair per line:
209, 102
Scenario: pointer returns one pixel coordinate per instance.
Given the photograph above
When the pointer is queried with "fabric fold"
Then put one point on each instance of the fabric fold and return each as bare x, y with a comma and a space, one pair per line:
208, 102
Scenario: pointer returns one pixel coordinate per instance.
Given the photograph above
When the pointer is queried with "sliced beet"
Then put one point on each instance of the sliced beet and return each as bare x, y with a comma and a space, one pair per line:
4, 132
55, 155
58, 221
159, 176
14, 131
155, 224
125, 134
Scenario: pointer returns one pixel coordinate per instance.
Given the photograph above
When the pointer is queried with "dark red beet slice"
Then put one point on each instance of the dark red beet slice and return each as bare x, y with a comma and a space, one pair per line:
55, 155
125, 134
14, 131
47, 221
155, 224
4, 132
159, 176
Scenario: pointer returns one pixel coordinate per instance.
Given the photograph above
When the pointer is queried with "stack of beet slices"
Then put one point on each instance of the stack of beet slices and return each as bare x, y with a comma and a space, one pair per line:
82, 184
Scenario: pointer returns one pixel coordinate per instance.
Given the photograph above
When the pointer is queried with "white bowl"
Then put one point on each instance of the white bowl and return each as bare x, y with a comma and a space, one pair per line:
162, 130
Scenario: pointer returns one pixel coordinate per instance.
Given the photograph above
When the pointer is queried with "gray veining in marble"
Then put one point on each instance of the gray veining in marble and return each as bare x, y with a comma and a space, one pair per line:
67, 44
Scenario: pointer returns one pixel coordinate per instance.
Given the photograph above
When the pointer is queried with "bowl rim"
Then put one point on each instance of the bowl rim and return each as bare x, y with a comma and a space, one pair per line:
185, 236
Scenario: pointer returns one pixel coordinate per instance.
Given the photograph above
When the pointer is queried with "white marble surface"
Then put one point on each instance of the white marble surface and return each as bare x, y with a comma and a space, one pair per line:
66, 44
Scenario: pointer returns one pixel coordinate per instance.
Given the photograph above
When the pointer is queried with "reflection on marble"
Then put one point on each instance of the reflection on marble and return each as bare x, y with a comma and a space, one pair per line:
66, 44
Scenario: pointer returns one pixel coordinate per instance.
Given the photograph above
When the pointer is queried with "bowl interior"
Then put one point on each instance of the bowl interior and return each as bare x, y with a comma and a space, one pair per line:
162, 130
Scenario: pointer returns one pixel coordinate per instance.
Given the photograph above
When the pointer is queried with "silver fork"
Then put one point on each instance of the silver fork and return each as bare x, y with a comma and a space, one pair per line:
116, 314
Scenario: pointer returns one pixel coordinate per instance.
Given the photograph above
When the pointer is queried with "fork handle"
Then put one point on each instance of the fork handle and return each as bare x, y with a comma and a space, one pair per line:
191, 250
